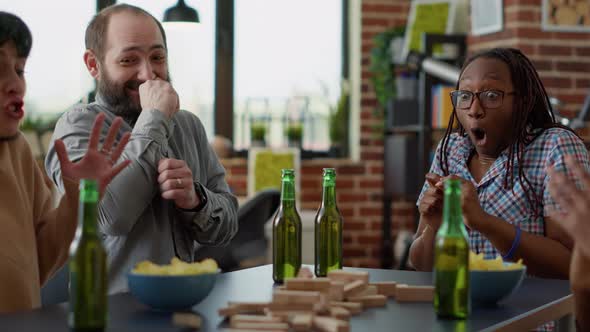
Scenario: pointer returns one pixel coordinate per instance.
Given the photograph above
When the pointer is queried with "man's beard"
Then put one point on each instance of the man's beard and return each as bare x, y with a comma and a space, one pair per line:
115, 95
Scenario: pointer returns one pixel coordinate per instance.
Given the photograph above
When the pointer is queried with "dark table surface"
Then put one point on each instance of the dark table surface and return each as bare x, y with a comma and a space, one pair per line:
255, 284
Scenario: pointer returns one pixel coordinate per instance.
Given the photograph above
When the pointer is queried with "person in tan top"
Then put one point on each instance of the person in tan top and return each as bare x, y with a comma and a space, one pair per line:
35, 237
575, 220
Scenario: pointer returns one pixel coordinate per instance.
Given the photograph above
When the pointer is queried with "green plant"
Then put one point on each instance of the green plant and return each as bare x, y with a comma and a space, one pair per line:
31, 124
339, 119
294, 131
257, 131
39, 124
381, 67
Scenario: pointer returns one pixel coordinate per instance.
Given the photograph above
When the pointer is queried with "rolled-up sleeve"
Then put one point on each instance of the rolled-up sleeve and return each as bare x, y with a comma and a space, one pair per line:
217, 222
129, 193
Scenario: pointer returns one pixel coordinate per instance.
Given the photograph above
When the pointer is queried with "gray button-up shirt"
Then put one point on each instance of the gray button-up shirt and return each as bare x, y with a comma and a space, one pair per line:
135, 221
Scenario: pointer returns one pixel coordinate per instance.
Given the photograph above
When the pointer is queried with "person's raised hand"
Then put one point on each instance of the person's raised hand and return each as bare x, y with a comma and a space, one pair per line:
430, 206
473, 213
96, 164
574, 203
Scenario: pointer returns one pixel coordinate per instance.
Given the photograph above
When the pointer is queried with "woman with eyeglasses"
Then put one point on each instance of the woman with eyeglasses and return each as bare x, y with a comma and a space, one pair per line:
505, 141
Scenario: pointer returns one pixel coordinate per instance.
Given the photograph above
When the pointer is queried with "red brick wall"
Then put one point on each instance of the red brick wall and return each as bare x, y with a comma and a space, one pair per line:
561, 58
359, 193
378, 16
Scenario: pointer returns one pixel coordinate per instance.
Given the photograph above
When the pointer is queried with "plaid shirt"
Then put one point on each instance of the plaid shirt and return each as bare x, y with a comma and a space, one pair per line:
511, 205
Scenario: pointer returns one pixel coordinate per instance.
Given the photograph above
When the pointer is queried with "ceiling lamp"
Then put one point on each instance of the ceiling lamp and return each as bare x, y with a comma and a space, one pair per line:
181, 13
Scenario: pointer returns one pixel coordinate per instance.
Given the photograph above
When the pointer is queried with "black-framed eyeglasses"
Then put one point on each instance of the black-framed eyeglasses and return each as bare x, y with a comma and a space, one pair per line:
463, 99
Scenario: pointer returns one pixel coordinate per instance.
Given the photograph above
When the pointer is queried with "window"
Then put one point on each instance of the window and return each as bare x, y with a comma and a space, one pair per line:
288, 68
55, 72
191, 50
287, 62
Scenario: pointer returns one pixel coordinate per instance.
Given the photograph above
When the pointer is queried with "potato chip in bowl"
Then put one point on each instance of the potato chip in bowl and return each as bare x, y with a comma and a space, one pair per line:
493, 280
176, 267
175, 286
477, 262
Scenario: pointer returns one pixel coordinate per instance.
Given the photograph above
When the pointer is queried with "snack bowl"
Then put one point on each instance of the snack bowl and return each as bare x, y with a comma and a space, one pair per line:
171, 292
488, 287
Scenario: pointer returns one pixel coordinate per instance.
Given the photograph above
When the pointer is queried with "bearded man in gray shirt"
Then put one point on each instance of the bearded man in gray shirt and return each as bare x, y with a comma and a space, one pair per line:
174, 194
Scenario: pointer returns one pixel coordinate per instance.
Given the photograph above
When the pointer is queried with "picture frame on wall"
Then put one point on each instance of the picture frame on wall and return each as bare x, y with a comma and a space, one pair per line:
265, 165
487, 16
566, 16
428, 16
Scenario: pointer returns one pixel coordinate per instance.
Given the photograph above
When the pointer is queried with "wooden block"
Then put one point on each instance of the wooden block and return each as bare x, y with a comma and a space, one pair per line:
301, 322
305, 272
323, 304
353, 307
260, 326
287, 309
286, 314
348, 276
281, 287
291, 296
368, 290
336, 292
370, 301
229, 311
340, 313
329, 324
255, 319
354, 287
186, 319
386, 288
304, 284
405, 293
273, 306
235, 308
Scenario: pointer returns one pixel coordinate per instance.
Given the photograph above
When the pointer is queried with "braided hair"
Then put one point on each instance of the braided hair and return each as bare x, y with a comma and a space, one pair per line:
534, 116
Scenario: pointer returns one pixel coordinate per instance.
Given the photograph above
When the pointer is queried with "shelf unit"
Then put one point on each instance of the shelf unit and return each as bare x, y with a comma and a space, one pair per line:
407, 146
426, 82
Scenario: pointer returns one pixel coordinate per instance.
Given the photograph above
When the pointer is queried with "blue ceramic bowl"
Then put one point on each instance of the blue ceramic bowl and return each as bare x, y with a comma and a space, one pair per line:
491, 287
171, 293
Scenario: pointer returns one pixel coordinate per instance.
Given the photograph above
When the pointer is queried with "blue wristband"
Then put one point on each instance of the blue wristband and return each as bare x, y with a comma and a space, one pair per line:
515, 244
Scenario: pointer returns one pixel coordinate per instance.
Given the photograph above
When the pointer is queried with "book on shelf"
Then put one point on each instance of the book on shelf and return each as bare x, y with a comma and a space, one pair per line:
442, 107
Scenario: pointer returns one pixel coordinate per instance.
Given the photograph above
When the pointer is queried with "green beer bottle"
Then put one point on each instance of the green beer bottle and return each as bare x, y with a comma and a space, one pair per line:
328, 229
88, 267
286, 232
451, 258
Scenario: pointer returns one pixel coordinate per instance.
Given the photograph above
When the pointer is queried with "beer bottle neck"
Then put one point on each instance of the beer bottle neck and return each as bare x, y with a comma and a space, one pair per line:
88, 208
88, 217
288, 194
329, 194
452, 212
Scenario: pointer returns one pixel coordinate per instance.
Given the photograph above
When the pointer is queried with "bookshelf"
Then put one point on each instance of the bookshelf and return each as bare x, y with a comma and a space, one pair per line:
426, 82
408, 144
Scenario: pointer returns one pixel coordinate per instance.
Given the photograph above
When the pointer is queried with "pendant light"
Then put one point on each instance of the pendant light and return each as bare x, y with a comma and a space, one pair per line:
181, 13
